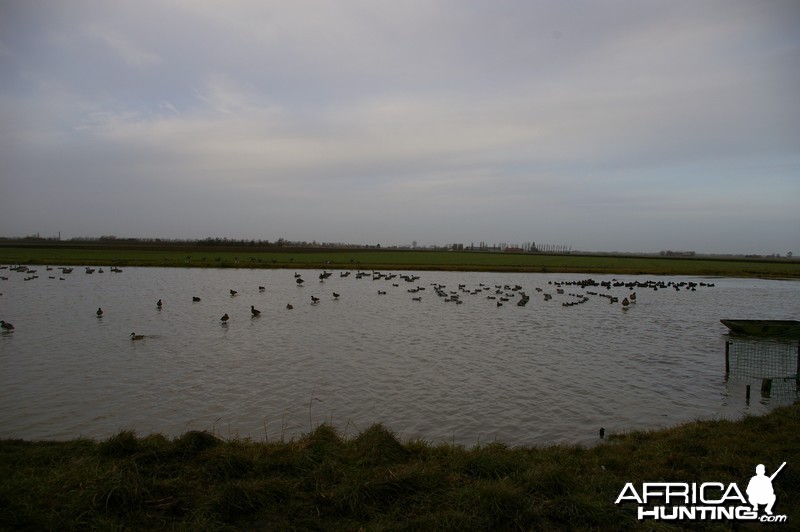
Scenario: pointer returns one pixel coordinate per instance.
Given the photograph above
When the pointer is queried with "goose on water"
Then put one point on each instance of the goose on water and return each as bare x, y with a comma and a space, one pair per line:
99, 312
135, 336
254, 311
225, 318
6, 326
159, 304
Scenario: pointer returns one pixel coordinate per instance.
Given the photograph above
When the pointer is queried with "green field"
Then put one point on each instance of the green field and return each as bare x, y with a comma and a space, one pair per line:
373, 481
322, 258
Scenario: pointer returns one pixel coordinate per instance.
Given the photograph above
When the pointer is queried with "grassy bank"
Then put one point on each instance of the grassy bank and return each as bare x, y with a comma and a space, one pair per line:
322, 258
373, 481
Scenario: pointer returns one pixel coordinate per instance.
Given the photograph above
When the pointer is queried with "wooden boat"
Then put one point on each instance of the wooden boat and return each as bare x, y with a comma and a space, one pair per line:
764, 328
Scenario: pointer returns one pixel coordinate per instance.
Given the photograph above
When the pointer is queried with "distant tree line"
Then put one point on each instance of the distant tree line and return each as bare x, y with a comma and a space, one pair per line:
525, 247
178, 242
669, 253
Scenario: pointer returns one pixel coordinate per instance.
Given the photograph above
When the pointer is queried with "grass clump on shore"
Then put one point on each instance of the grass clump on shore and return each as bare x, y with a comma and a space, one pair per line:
373, 481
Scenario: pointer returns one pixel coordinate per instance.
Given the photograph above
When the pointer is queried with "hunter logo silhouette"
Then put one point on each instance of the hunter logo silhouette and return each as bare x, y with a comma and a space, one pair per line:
759, 489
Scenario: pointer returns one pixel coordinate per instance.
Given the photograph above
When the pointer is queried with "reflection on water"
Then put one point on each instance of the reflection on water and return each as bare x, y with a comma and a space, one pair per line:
466, 365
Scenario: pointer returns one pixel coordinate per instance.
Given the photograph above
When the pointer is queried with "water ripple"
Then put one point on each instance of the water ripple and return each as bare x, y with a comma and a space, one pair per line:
441, 371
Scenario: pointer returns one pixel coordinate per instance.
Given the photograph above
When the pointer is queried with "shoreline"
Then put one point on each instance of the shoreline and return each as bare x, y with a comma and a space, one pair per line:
372, 480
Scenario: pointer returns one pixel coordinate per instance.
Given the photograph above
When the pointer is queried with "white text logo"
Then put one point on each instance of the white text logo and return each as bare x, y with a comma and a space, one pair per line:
674, 501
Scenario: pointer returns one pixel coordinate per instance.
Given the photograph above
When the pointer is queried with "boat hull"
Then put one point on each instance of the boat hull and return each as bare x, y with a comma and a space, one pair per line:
764, 328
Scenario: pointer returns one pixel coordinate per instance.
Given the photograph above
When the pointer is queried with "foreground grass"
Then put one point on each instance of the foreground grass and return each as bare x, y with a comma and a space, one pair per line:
211, 257
373, 481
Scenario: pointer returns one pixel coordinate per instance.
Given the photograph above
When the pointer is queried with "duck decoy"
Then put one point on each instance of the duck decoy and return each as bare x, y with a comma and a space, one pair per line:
135, 336
254, 311
6, 326
225, 318
99, 312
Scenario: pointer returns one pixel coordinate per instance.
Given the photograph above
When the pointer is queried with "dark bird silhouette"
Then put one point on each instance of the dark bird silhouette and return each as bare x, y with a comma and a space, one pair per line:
195, 298
135, 336
225, 318
335, 295
262, 288
6, 326
99, 312
289, 306
314, 300
254, 311
299, 281
233, 293
159, 304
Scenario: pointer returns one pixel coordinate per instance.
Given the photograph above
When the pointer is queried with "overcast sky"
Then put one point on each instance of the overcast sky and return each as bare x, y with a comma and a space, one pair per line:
600, 125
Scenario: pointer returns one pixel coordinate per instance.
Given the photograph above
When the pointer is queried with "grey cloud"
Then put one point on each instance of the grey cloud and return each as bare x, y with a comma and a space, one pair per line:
508, 121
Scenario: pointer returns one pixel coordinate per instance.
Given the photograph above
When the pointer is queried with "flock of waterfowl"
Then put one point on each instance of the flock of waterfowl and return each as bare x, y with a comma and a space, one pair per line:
500, 294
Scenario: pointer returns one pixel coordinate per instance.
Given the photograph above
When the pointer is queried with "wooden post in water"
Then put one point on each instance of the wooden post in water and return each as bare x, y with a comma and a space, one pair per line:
766, 388
728, 358
747, 395
797, 375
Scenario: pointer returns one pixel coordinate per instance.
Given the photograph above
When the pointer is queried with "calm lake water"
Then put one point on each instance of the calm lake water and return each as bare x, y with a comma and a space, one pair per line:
548, 372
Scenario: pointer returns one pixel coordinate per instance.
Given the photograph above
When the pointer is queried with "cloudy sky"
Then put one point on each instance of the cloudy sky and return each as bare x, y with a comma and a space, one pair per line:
601, 125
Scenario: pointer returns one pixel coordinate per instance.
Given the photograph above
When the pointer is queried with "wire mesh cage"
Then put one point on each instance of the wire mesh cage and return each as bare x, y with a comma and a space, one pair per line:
772, 366
762, 359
